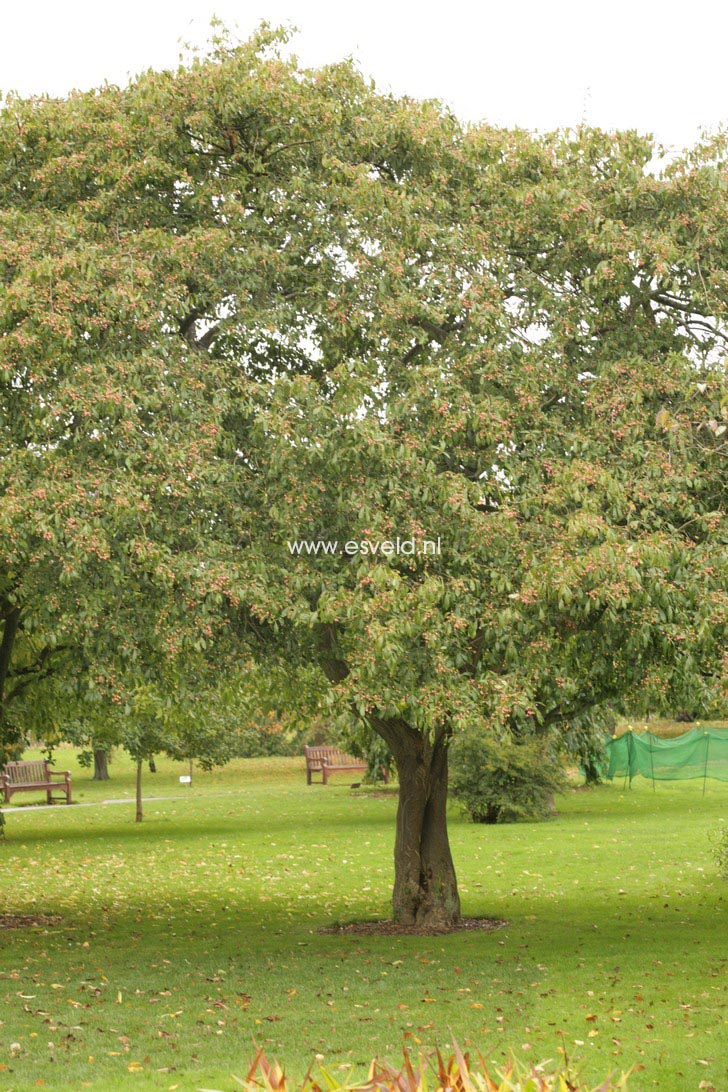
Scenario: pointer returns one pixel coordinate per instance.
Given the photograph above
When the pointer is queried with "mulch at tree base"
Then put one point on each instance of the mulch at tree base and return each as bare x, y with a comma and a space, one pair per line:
392, 928
27, 921
383, 795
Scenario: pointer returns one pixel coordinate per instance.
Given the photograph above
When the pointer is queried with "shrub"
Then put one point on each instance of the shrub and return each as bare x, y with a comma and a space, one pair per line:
500, 781
455, 1074
720, 850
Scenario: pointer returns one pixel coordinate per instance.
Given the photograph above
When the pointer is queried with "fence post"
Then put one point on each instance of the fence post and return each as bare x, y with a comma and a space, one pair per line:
652, 763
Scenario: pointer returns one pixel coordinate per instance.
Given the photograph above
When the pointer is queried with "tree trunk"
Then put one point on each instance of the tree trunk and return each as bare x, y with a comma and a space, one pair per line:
139, 813
425, 886
152, 765
101, 764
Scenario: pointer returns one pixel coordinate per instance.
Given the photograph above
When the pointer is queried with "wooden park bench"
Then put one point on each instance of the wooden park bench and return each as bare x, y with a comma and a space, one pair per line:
33, 777
328, 760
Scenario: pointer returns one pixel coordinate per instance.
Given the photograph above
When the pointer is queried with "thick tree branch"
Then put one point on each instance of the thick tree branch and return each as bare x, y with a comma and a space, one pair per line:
332, 663
10, 631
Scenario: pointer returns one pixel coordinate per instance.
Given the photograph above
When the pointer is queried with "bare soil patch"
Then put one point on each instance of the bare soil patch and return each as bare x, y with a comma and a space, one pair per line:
27, 921
393, 929
385, 794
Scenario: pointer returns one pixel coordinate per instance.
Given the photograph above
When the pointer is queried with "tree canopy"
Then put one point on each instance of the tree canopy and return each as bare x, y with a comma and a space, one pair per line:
245, 304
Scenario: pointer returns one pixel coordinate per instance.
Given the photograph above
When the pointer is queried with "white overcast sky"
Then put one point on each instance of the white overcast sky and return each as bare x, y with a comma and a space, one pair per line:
657, 67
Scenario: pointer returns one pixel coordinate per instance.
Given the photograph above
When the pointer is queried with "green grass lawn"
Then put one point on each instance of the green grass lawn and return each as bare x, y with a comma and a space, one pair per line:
185, 938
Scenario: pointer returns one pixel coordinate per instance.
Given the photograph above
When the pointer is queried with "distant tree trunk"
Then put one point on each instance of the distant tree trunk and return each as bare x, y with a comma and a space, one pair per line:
101, 764
425, 886
152, 765
592, 775
139, 813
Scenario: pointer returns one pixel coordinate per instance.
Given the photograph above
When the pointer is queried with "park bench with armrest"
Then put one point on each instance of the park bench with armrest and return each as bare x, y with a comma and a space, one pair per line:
33, 777
328, 760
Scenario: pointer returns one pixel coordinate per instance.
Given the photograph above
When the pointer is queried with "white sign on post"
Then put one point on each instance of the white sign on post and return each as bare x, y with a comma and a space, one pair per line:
185, 779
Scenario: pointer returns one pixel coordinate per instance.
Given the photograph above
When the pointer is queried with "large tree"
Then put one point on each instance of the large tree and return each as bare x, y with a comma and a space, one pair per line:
246, 304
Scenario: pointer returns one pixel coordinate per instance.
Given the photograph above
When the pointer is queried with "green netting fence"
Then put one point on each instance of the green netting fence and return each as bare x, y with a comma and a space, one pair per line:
701, 752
